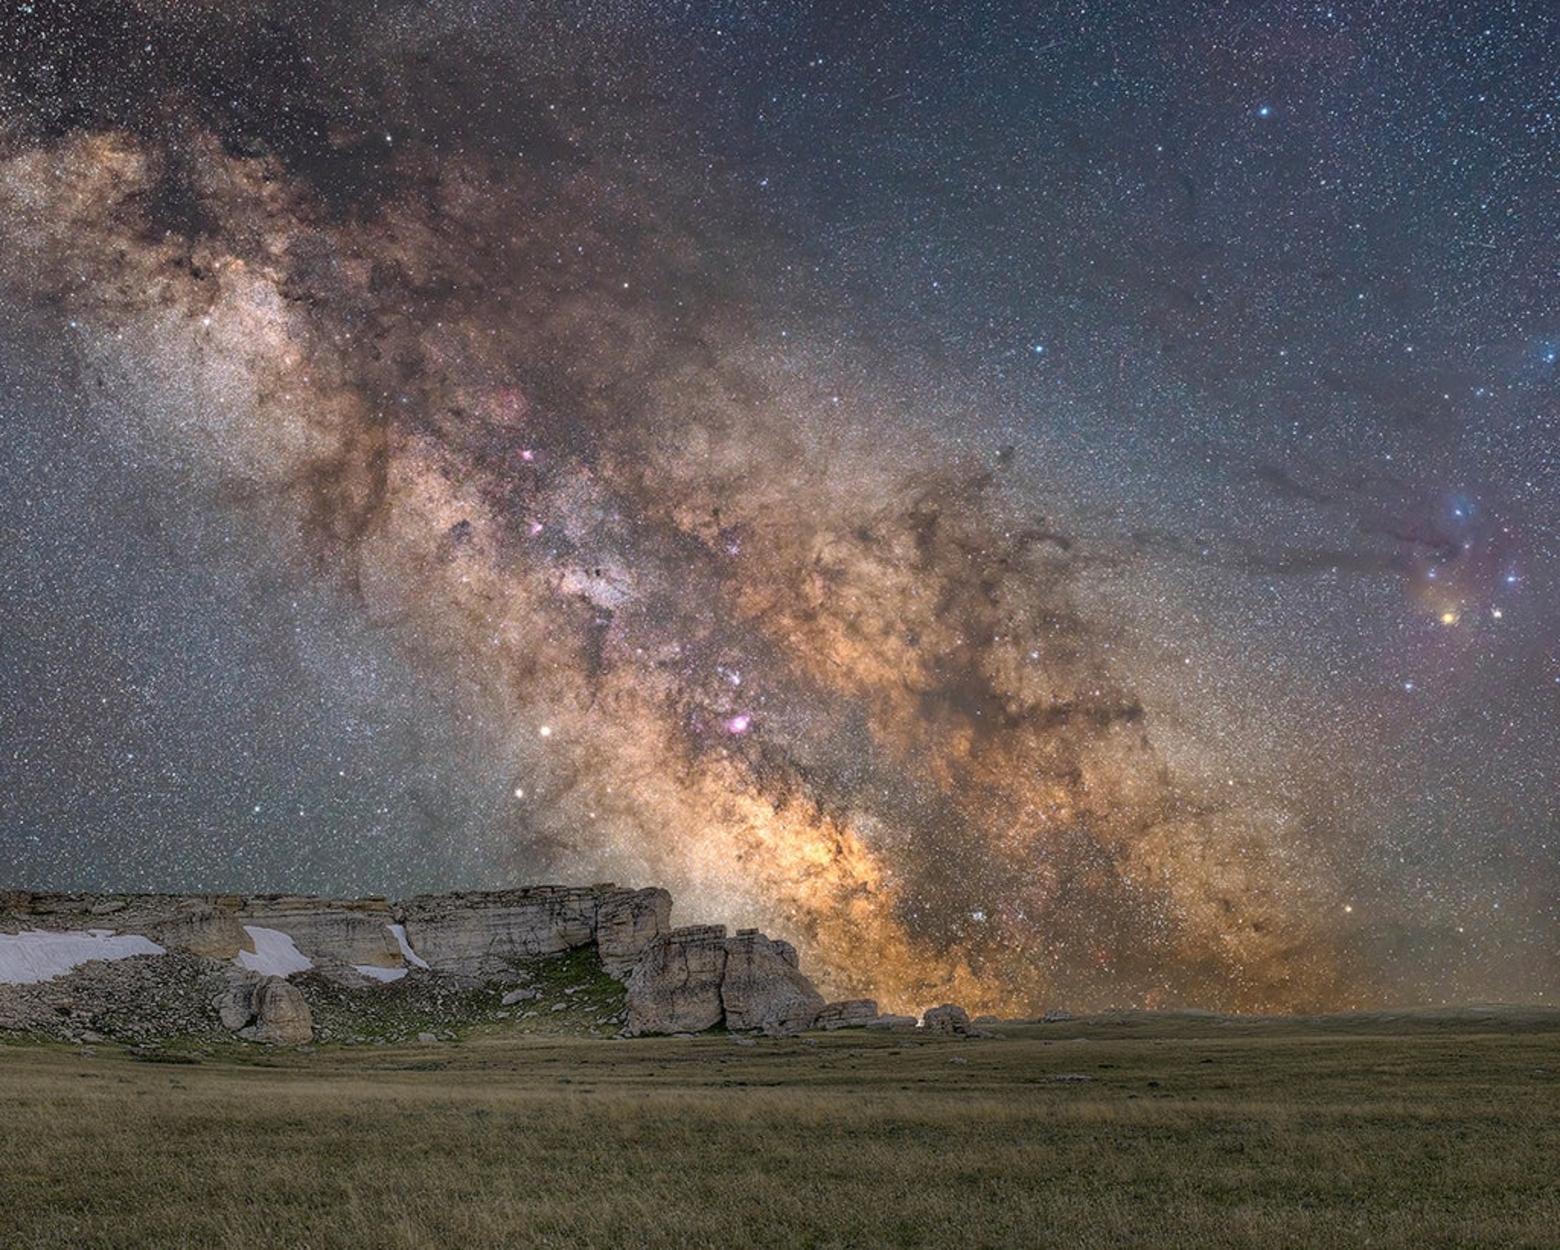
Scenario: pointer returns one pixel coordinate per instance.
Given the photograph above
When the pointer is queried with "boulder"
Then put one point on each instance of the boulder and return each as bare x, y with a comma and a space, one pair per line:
762, 989
695, 978
236, 1004
949, 1020
265, 1009
676, 985
851, 1013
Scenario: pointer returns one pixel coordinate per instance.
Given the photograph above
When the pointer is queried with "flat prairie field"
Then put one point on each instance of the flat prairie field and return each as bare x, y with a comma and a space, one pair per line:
1413, 1131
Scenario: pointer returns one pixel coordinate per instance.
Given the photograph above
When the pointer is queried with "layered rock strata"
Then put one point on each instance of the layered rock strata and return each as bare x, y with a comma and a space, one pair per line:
252, 948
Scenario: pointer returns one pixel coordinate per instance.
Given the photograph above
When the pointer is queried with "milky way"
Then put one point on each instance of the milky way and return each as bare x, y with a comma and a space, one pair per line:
1034, 511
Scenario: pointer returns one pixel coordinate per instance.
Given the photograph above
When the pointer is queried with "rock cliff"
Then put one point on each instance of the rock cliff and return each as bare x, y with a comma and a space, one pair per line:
288, 968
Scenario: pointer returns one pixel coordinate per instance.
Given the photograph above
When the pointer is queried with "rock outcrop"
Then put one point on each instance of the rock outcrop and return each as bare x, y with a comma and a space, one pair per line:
351, 932
627, 923
478, 935
473, 935
266, 955
695, 978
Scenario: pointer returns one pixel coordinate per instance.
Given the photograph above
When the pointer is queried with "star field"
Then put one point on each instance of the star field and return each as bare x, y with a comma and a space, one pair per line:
1042, 506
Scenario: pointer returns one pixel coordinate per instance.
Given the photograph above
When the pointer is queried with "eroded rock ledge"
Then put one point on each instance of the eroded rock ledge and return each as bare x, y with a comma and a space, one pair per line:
249, 965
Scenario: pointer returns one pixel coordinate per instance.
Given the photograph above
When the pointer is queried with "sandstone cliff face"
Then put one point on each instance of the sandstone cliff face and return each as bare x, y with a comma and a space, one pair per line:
627, 923
476, 935
353, 932
479, 935
255, 946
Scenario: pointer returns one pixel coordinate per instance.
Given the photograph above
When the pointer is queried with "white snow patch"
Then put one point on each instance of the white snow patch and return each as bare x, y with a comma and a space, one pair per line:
275, 954
380, 974
37, 955
411, 956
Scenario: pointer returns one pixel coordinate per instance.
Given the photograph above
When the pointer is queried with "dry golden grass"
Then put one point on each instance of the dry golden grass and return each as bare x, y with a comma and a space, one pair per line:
1212, 1139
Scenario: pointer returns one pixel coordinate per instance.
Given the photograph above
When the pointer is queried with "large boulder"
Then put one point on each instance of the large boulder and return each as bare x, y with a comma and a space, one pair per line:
949, 1020
892, 1023
762, 989
851, 1013
265, 1009
696, 978
676, 985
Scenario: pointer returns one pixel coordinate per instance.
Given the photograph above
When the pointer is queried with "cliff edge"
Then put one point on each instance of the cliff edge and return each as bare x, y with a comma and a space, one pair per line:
288, 969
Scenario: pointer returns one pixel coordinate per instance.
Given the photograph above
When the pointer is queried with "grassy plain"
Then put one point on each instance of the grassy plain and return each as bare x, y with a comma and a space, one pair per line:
1407, 1132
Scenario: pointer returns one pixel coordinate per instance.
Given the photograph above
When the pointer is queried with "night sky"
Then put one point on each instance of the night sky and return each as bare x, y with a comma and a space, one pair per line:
1041, 506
